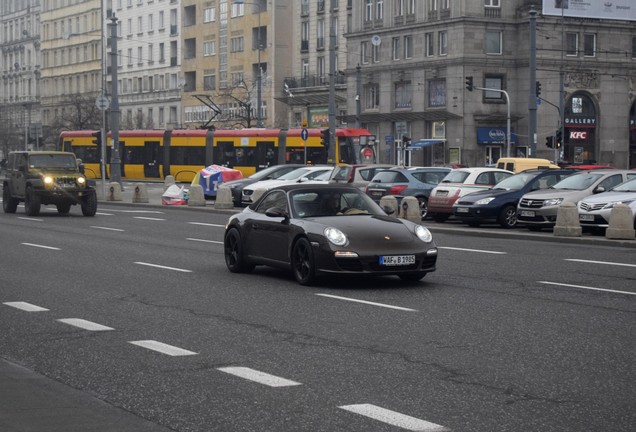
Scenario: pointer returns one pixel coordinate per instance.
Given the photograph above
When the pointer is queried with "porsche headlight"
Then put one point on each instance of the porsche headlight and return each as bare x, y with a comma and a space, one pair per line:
423, 234
552, 202
484, 201
48, 180
335, 236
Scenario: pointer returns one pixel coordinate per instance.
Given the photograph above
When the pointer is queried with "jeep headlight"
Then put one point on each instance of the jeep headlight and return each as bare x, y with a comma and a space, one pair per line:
552, 202
48, 180
81, 181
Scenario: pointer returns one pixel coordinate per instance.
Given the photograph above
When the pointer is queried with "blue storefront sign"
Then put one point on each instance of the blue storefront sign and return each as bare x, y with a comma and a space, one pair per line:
494, 135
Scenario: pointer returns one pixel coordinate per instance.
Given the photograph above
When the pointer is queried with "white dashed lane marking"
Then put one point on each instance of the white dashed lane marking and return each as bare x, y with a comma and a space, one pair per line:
162, 348
601, 262
394, 418
587, 288
259, 377
41, 246
205, 241
107, 228
148, 218
368, 302
86, 325
28, 307
30, 219
472, 250
164, 267
207, 224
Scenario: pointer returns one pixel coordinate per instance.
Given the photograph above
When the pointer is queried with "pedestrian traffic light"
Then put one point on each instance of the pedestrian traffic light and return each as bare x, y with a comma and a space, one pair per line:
324, 138
549, 141
559, 138
538, 88
469, 83
98, 138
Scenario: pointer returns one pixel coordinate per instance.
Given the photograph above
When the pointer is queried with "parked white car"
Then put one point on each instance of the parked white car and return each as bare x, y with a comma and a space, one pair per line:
299, 175
459, 182
595, 210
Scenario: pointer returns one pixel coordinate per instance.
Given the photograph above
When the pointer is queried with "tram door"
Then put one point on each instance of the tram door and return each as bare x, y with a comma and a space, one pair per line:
151, 159
266, 154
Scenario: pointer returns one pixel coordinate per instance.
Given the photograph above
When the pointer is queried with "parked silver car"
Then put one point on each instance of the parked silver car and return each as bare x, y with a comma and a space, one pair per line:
595, 210
537, 210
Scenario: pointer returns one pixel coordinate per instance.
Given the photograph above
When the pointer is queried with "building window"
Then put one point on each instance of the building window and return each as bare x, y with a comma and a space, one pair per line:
408, 47
410, 7
371, 96
209, 14
432, 5
399, 8
379, 9
368, 10
429, 44
396, 48
493, 42
572, 44
364, 56
493, 82
237, 44
320, 34
209, 48
403, 94
443, 42
150, 22
589, 45
634, 47
238, 9
304, 36
375, 52
437, 93
209, 82
492, 3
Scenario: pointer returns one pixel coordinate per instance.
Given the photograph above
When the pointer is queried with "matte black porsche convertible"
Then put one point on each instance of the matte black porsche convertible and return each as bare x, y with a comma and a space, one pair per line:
315, 229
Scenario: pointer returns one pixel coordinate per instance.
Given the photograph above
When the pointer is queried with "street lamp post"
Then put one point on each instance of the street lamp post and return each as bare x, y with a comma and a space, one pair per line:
259, 73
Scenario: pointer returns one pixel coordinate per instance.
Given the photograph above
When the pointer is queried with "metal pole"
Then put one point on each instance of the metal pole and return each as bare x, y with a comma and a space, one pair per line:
562, 91
331, 154
358, 102
532, 99
259, 84
115, 160
103, 128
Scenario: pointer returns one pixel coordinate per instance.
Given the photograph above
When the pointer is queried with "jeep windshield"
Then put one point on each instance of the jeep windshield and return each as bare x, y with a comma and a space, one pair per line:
52, 161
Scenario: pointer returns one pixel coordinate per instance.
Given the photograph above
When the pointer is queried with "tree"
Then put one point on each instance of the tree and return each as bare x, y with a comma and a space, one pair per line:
78, 112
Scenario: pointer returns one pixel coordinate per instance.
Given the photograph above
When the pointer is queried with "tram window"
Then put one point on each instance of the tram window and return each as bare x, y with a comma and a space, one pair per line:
245, 156
134, 155
86, 154
224, 153
188, 155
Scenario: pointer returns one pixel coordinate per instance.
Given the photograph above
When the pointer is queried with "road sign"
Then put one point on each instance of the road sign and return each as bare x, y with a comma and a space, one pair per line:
102, 102
304, 134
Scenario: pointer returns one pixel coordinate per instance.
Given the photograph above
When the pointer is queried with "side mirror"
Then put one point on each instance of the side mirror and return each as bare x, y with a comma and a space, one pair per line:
276, 212
81, 168
599, 189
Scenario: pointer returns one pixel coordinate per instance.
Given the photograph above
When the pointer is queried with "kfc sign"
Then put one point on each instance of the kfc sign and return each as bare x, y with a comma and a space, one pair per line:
578, 135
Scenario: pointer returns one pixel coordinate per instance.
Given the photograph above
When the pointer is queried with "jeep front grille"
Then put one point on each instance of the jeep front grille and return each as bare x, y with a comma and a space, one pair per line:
66, 181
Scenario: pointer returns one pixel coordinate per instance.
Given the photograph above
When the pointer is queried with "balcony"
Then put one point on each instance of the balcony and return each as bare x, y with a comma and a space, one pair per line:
490, 12
312, 81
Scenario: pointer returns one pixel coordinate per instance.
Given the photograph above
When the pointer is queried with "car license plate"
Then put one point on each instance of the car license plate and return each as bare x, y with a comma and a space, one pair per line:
462, 209
586, 218
527, 213
397, 260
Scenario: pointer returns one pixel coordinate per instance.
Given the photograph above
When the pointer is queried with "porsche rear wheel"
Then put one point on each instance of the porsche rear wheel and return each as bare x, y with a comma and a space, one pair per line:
412, 277
303, 262
234, 259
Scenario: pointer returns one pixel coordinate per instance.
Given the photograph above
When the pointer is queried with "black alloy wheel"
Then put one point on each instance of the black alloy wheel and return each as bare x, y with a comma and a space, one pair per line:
303, 262
233, 251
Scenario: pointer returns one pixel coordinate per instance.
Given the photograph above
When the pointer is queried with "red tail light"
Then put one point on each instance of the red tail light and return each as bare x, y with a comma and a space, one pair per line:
397, 189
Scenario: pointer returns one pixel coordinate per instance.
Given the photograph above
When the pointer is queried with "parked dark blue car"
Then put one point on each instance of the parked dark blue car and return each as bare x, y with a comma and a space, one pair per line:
499, 204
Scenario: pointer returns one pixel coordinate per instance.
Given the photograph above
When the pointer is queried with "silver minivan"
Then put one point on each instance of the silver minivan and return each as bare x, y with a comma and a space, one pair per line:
538, 209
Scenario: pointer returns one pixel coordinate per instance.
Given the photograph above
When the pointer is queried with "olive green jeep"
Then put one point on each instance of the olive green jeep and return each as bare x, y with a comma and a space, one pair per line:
46, 177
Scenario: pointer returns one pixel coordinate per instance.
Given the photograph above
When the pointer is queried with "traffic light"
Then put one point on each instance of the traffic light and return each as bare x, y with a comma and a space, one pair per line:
559, 139
324, 138
549, 141
537, 87
98, 138
469, 83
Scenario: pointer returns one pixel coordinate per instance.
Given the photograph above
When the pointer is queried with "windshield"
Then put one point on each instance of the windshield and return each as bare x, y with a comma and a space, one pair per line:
295, 174
317, 202
628, 186
456, 177
578, 181
52, 161
515, 182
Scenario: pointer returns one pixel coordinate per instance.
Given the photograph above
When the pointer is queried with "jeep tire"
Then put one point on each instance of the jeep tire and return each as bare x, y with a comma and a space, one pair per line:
9, 204
89, 204
31, 202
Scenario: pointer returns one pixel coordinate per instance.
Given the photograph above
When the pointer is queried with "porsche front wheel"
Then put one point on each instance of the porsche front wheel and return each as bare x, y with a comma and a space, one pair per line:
233, 248
303, 262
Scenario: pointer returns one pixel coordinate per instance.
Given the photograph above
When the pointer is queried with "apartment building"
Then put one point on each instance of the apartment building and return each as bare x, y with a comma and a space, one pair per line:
20, 125
235, 57
415, 57
149, 63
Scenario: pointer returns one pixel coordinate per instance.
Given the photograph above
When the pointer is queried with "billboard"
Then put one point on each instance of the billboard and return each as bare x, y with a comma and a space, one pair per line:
599, 9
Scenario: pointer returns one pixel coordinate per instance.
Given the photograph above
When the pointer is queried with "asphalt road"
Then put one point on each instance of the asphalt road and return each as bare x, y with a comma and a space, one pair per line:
508, 334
